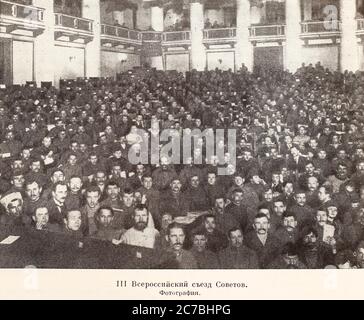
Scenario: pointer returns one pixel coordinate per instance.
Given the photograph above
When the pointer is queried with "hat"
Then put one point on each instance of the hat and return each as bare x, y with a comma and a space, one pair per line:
6, 200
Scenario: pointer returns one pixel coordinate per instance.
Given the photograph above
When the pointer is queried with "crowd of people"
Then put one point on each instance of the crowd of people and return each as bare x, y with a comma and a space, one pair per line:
294, 198
217, 25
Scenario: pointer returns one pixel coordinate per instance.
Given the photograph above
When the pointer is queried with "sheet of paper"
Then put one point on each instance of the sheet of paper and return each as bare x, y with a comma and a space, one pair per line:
329, 232
48, 160
10, 240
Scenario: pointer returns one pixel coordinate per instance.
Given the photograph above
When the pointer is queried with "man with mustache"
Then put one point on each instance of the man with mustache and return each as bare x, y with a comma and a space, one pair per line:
33, 198
312, 199
56, 206
287, 232
304, 213
262, 241
174, 201
140, 235
175, 257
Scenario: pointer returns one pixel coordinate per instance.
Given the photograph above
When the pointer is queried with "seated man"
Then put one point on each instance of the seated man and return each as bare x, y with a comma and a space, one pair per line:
14, 215
288, 259
359, 255
33, 198
73, 224
205, 258
313, 253
262, 241
173, 201
104, 221
237, 255
140, 235
89, 210
175, 256
287, 232
41, 221
216, 240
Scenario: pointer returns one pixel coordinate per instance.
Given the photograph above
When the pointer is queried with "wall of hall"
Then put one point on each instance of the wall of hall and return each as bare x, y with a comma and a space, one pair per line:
328, 55
177, 61
111, 63
23, 61
69, 62
6, 72
361, 56
221, 59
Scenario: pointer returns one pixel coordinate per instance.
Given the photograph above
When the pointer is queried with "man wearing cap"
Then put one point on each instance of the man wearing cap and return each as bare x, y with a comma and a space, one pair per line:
14, 214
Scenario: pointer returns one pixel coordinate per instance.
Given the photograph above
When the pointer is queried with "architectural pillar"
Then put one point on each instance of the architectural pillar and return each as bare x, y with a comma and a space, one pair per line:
91, 10
44, 46
349, 42
198, 50
244, 48
157, 24
293, 31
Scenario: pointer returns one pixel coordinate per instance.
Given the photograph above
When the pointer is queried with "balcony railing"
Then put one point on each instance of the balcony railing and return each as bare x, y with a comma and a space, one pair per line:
66, 21
114, 31
226, 33
267, 31
19, 11
316, 27
152, 36
177, 36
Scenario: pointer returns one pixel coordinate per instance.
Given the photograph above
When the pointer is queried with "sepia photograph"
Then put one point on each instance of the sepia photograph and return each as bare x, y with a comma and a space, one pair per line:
181, 134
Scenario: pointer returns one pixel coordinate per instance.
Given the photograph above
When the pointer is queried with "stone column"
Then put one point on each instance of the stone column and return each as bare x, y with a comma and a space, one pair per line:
293, 31
91, 10
349, 42
198, 50
244, 48
44, 46
157, 24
